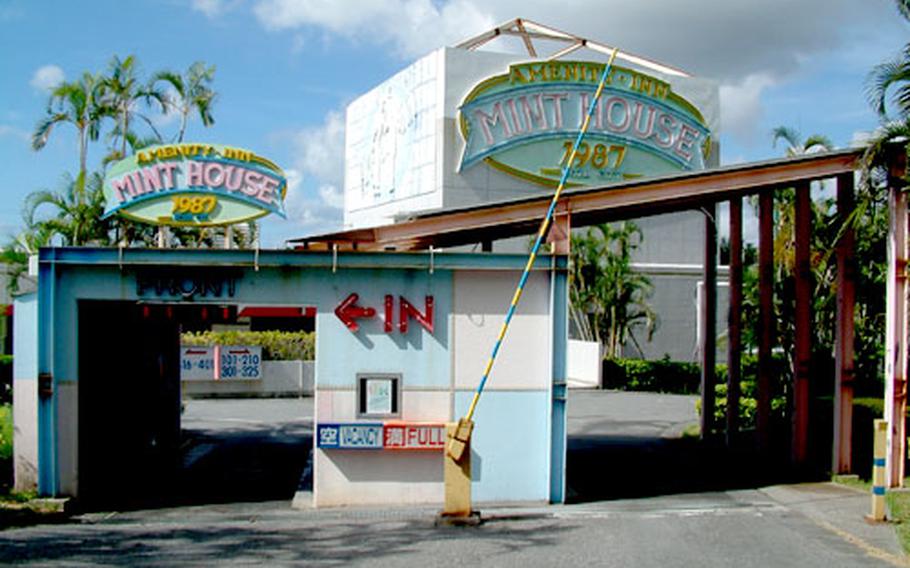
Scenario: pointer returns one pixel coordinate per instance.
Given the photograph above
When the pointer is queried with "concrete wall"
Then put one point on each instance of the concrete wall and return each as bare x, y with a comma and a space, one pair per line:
585, 364
25, 393
279, 379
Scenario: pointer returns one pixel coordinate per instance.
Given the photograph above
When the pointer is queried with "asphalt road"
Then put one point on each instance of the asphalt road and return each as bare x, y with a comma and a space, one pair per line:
743, 529
243, 460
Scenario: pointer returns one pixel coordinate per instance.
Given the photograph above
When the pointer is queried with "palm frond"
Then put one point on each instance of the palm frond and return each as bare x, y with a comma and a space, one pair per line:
882, 78
44, 128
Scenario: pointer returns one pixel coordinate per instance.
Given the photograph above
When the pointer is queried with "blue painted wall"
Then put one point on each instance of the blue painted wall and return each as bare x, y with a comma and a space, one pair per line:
510, 449
25, 337
421, 357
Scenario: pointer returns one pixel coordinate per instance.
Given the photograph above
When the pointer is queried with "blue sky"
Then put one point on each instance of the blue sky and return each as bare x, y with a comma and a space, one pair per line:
287, 68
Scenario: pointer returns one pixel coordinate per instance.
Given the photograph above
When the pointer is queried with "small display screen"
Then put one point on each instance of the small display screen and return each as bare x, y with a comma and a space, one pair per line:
378, 395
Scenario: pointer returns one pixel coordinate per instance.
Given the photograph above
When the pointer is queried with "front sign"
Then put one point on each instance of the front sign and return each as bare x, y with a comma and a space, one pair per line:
196, 185
186, 284
526, 121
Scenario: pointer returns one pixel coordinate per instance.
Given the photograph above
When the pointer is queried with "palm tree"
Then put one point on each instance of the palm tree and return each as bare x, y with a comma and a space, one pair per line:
608, 298
796, 145
890, 77
122, 90
77, 212
16, 252
892, 74
75, 103
785, 241
193, 93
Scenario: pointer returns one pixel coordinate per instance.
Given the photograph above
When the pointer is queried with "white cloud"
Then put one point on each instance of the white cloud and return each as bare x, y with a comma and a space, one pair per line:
412, 27
316, 206
12, 131
724, 40
331, 196
319, 151
211, 8
46, 78
310, 214
861, 138
741, 106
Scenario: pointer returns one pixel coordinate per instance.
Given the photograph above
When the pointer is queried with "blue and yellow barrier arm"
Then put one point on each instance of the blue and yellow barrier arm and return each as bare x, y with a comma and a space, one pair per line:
465, 426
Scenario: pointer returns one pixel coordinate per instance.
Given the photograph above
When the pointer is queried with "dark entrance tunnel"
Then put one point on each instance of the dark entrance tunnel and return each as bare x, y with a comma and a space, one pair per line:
132, 450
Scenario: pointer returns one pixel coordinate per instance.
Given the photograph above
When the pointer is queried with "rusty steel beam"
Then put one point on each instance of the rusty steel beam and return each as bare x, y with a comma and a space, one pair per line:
844, 332
802, 335
896, 325
629, 199
708, 343
766, 325
734, 320
560, 233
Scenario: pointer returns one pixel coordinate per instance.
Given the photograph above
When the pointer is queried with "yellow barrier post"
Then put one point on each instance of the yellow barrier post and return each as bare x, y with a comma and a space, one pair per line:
457, 475
880, 432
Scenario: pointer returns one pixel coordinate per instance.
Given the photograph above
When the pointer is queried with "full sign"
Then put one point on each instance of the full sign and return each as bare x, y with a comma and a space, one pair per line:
525, 123
194, 185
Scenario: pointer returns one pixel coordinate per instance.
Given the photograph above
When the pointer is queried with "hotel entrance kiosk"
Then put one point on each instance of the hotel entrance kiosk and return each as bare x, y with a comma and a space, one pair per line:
401, 341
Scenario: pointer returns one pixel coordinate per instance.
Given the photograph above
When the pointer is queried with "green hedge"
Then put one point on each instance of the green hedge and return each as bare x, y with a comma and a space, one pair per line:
276, 345
663, 375
6, 432
748, 390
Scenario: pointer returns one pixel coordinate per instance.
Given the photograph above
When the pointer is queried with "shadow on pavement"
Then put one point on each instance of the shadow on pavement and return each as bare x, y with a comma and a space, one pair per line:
217, 466
248, 542
602, 467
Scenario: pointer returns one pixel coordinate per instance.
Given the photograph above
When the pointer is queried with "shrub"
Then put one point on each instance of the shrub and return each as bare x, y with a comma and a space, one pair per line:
276, 345
748, 391
664, 375
6, 432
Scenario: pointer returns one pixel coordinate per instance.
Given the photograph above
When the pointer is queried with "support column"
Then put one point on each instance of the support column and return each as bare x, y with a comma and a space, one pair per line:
734, 319
560, 233
843, 334
765, 315
708, 345
802, 362
896, 324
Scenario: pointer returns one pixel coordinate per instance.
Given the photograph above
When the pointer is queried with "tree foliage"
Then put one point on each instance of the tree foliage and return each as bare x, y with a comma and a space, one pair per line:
121, 98
869, 222
608, 298
193, 93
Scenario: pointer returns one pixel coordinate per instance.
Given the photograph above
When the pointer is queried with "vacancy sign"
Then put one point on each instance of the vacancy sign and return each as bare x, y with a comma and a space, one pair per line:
387, 436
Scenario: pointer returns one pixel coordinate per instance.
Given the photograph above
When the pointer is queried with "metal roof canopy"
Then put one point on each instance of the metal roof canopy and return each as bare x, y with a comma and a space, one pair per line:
588, 205
528, 31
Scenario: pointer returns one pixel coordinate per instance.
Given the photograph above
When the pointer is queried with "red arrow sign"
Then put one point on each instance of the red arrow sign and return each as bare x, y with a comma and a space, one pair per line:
347, 311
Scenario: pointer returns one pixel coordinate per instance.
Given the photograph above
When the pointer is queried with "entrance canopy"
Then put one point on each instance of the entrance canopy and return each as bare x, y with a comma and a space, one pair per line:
588, 205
